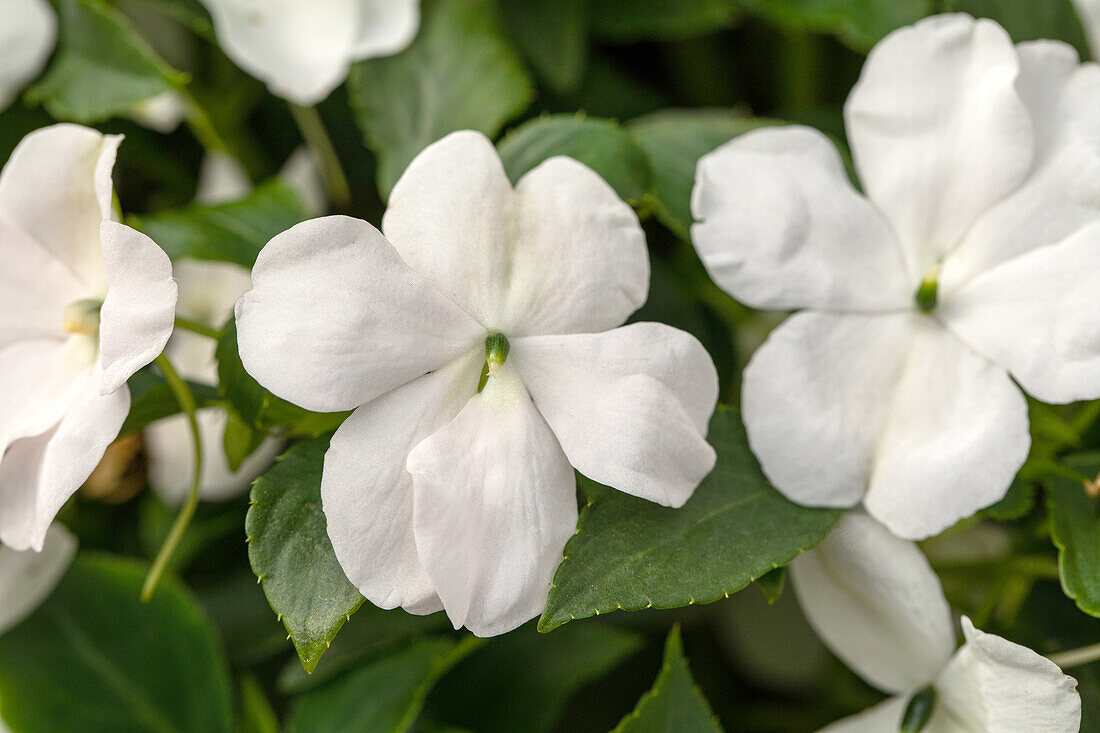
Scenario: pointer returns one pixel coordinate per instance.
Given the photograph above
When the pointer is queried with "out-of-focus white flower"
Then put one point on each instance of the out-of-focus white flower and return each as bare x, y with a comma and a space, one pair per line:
304, 50
28, 29
28, 577
1089, 12
973, 256
475, 278
875, 601
84, 303
162, 113
222, 179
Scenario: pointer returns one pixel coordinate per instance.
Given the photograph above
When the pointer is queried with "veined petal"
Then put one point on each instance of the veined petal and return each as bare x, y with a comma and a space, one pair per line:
938, 130
27, 577
386, 27
57, 188
994, 686
39, 379
956, 434
630, 407
815, 397
139, 311
561, 253
876, 602
1038, 316
367, 493
26, 40
779, 225
335, 318
495, 501
882, 718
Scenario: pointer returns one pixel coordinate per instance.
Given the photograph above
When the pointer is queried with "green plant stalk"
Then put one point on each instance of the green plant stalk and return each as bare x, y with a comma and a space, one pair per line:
186, 401
201, 126
196, 327
317, 138
1077, 657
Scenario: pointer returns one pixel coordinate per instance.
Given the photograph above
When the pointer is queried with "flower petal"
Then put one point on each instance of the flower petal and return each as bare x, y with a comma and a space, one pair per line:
39, 474
495, 501
335, 318
368, 495
938, 130
779, 225
386, 27
1038, 316
39, 379
814, 398
559, 254
630, 406
1089, 12
877, 603
957, 433
57, 188
27, 577
26, 41
994, 686
139, 311
882, 718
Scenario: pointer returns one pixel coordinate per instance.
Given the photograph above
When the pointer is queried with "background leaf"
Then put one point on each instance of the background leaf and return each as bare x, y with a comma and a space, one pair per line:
636, 20
553, 35
1075, 529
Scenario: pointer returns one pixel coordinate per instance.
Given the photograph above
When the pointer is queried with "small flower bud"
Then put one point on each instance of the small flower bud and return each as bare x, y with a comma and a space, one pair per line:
496, 352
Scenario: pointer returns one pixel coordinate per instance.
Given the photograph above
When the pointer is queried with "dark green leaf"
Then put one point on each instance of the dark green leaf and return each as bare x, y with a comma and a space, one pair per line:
860, 24
95, 659
459, 74
675, 704
553, 34
1016, 503
636, 20
240, 440
212, 523
152, 400
190, 13
600, 144
1075, 529
772, 584
1027, 20
102, 67
291, 553
256, 713
632, 554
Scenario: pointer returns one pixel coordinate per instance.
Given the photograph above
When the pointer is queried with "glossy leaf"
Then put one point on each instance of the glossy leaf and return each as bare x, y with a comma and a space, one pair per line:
1075, 529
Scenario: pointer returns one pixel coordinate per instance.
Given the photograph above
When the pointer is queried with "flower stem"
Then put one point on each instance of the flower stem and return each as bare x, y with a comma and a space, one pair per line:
196, 327
201, 126
186, 401
1077, 657
317, 138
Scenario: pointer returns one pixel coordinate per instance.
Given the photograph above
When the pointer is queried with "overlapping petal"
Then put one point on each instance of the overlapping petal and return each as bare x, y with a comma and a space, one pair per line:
882, 718
41, 378
560, 253
27, 36
28, 577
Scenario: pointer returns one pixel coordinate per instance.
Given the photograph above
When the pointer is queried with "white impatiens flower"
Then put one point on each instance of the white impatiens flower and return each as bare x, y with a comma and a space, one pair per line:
28, 577
84, 303
28, 29
473, 343
971, 260
303, 50
876, 602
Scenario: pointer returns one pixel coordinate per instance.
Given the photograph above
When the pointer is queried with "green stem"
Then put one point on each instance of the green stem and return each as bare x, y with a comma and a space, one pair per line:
1084, 419
195, 327
317, 138
201, 126
1077, 657
186, 401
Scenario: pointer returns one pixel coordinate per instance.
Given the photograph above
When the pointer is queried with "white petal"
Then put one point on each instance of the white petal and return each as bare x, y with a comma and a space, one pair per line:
368, 495
779, 225
957, 433
1038, 316
170, 451
1062, 192
877, 603
335, 318
814, 399
938, 130
162, 113
301, 50
630, 406
302, 173
39, 379
207, 294
27, 577
27, 36
559, 254
57, 188
882, 718
39, 474
494, 503
139, 311
1089, 12
995, 686
221, 179
386, 27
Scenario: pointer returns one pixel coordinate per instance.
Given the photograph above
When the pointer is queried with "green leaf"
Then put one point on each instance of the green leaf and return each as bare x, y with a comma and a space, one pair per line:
95, 659
860, 24
459, 74
631, 554
102, 67
674, 704
553, 34
674, 140
772, 584
386, 695
1016, 503
1027, 20
257, 715
662, 20
190, 13
291, 553
600, 144
232, 232
151, 399
240, 440
1075, 530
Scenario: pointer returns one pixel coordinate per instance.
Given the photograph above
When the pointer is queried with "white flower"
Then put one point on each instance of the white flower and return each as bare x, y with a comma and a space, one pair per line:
222, 179
981, 167
28, 577
1089, 12
27, 35
162, 113
84, 303
876, 602
439, 495
303, 50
